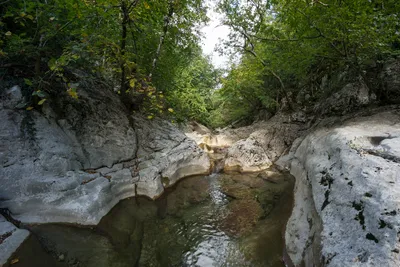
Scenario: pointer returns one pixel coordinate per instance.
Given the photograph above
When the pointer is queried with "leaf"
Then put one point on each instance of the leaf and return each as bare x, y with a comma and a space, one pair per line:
39, 94
52, 18
150, 117
132, 83
14, 261
8, 33
171, 110
72, 92
30, 17
29, 108
42, 101
52, 64
28, 82
20, 105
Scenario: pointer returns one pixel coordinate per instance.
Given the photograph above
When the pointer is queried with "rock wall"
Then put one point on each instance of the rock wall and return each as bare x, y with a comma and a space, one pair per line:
346, 210
73, 160
246, 156
269, 140
255, 147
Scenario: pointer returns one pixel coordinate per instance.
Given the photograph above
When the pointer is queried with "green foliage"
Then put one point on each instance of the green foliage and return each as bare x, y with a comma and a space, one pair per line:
191, 95
149, 53
45, 41
295, 43
244, 92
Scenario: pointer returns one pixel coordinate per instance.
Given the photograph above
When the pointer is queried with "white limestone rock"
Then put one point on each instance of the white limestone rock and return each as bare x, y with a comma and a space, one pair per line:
246, 156
347, 195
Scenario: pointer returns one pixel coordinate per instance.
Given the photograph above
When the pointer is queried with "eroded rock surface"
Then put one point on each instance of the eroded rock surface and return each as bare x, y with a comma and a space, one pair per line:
270, 140
76, 158
255, 147
347, 195
246, 156
351, 97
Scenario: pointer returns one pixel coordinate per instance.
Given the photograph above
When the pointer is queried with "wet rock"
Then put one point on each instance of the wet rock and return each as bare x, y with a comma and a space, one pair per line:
89, 248
10, 239
217, 162
206, 148
237, 191
237, 187
251, 181
271, 176
346, 194
243, 216
31, 254
270, 196
188, 192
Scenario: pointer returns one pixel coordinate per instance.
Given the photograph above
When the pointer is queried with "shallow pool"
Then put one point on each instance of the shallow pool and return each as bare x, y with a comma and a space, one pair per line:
216, 220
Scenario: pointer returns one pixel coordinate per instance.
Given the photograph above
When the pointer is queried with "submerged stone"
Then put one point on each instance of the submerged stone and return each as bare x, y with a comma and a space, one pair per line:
193, 224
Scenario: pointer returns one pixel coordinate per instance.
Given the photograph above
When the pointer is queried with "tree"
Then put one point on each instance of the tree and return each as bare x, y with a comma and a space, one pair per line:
120, 43
298, 42
191, 97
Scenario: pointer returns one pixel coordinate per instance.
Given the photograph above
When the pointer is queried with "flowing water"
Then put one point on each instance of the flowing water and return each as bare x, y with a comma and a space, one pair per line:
217, 220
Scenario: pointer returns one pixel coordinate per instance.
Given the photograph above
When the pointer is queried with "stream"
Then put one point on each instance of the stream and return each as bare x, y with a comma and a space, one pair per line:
216, 220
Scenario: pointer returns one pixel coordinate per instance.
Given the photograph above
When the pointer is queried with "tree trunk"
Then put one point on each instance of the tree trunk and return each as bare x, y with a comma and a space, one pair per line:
125, 20
167, 20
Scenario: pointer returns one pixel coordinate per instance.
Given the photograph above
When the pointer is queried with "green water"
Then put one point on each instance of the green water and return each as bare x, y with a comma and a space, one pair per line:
217, 220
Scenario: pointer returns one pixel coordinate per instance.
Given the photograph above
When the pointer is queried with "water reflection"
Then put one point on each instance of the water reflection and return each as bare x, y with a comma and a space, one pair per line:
218, 220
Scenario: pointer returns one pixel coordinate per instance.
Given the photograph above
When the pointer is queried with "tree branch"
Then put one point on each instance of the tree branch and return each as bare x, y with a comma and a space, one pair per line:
132, 5
287, 40
167, 20
5, 2
320, 33
252, 52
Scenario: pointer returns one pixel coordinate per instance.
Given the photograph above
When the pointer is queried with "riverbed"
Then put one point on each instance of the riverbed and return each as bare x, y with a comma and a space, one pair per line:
216, 220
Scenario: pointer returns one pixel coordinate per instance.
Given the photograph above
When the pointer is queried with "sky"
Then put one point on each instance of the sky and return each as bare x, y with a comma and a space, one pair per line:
213, 33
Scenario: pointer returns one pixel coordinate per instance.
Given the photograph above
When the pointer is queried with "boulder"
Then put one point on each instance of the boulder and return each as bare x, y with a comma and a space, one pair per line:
246, 156
270, 139
346, 210
223, 138
351, 97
